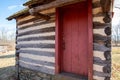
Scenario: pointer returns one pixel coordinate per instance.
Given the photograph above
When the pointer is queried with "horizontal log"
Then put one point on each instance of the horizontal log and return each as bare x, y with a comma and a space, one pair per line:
37, 42
98, 37
106, 43
101, 74
98, 78
52, 37
33, 3
98, 61
29, 20
99, 14
35, 45
36, 24
34, 19
36, 57
99, 31
37, 52
99, 47
44, 63
98, 67
99, 54
96, 10
50, 12
24, 18
40, 49
27, 24
96, 4
98, 25
36, 68
54, 4
39, 15
47, 12
49, 29
37, 35
47, 25
98, 19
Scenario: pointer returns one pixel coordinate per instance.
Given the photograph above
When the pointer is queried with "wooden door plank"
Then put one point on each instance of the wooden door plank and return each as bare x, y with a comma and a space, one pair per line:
75, 42
83, 42
66, 42
81, 60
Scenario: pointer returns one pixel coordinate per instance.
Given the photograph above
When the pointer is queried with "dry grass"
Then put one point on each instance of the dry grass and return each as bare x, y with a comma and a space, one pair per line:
115, 63
7, 59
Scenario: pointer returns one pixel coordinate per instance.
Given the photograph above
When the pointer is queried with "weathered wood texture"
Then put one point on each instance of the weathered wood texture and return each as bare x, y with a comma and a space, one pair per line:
36, 42
54, 4
102, 39
39, 15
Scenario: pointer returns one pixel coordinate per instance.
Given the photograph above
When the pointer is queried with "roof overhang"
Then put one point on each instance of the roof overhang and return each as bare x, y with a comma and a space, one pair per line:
19, 13
32, 3
52, 4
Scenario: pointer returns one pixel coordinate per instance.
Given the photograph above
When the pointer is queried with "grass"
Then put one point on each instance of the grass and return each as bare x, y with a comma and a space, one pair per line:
115, 63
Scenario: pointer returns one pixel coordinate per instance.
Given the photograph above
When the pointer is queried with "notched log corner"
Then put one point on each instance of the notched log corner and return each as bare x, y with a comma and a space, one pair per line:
38, 15
107, 78
107, 31
107, 55
107, 18
107, 69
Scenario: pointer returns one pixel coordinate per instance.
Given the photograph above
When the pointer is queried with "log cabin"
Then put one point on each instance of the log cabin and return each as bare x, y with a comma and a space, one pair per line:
64, 40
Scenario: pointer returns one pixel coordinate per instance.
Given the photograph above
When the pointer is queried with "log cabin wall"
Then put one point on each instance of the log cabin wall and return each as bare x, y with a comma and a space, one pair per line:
101, 40
36, 44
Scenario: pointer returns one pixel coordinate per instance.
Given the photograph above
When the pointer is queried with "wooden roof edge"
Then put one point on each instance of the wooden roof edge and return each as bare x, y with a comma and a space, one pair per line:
17, 14
32, 2
54, 3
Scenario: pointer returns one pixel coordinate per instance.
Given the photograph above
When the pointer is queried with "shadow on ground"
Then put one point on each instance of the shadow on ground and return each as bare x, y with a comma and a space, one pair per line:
8, 56
8, 73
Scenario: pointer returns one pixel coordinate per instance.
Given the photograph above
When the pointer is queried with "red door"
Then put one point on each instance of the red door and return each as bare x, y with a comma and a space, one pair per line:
74, 23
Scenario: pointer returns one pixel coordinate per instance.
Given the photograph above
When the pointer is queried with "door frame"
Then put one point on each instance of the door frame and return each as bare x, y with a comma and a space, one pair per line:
58, 43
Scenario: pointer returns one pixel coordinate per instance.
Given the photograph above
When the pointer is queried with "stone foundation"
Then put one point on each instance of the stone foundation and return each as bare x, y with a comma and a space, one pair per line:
26, 74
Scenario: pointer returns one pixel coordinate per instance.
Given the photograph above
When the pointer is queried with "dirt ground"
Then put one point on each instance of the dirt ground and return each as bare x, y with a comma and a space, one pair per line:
7, 66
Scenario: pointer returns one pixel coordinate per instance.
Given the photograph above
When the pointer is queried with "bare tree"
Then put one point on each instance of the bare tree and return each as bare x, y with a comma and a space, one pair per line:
3, 35
116, 35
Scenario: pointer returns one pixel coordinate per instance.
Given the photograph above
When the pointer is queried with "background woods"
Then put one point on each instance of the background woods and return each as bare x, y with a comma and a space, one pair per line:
7, 40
